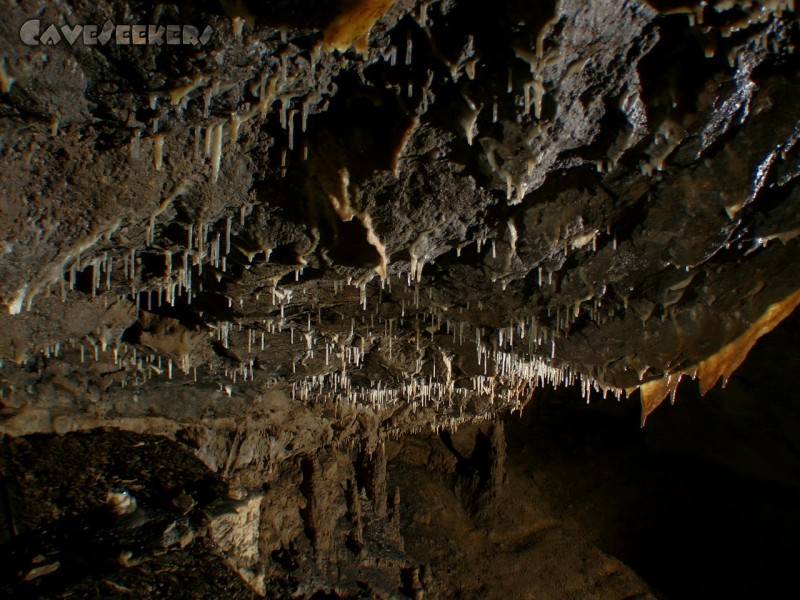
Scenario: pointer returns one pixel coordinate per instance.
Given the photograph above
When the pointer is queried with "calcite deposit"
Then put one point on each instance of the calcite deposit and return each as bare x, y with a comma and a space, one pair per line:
305, 232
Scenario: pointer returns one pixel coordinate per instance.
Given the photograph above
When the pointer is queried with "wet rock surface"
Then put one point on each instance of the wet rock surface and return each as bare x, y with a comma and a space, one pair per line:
328, 226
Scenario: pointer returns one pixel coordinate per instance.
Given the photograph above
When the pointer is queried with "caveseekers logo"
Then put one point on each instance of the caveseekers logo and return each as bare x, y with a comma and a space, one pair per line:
36, 33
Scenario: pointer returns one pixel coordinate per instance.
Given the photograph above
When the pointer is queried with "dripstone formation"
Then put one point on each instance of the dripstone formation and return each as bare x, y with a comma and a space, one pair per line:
258, 260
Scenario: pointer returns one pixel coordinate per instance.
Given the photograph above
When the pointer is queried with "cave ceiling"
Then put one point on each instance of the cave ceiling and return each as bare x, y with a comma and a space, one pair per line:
349, 220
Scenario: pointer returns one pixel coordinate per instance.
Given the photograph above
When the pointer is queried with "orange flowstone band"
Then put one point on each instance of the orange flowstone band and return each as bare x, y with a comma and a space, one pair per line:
352, 27
720, 365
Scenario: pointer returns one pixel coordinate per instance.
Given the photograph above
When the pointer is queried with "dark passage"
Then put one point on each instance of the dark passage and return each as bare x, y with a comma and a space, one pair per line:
703, 502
